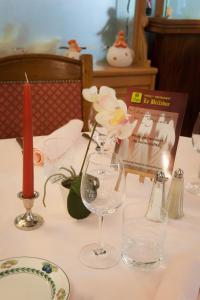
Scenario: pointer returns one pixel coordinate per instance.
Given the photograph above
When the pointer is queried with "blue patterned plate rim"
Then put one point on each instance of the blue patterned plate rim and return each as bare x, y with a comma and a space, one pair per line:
41, 267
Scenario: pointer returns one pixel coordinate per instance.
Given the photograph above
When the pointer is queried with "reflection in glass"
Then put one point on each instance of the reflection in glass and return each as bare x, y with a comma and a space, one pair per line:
183, 9
106, 16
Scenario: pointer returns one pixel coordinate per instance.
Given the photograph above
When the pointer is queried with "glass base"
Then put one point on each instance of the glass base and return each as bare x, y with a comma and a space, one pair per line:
142, 265
193, 187
94, 257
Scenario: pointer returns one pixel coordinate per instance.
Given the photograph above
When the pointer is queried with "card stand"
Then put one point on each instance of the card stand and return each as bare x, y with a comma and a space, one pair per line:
141, 174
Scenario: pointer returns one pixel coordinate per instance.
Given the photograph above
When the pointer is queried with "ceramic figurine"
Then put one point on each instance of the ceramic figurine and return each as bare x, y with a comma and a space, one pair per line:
120, 55
74, 50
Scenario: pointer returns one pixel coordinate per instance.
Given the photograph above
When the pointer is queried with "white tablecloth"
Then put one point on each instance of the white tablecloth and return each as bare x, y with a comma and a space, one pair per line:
60, 240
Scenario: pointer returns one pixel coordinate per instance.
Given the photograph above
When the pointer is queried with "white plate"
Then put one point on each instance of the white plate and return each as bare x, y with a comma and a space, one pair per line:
32, 278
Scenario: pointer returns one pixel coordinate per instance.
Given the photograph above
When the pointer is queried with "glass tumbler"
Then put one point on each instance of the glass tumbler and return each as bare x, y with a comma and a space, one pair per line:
142, 239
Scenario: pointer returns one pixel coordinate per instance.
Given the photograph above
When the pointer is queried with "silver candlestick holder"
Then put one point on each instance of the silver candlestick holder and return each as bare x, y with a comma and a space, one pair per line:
28, 220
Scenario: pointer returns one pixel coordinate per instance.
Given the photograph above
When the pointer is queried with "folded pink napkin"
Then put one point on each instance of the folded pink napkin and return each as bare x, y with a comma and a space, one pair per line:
55, 144
181, 280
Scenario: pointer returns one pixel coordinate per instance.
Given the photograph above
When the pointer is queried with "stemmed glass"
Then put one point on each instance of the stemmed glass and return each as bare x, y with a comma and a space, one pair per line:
102, 192
194, 186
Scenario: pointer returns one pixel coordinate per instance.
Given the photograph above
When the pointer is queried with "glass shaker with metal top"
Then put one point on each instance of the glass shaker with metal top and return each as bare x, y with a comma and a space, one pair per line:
156, 208
175, 196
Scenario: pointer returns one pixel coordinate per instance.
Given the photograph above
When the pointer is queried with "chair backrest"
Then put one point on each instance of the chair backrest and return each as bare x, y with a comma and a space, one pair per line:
56, 85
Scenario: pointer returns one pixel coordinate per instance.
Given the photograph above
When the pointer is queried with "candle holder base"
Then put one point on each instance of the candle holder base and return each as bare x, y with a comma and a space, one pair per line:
28, 220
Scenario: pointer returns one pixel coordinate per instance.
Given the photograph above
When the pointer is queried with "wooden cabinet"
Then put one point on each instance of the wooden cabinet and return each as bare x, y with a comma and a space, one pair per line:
122, 78
176, 54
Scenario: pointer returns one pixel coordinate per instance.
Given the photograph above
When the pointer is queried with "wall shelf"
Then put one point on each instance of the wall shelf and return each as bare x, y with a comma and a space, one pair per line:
122, 78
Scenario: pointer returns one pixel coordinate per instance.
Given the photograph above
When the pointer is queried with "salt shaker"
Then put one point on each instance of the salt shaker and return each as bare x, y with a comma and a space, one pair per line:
156, 208
175, 196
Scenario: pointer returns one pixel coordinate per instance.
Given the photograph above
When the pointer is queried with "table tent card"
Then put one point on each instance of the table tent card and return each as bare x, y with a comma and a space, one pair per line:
157, 117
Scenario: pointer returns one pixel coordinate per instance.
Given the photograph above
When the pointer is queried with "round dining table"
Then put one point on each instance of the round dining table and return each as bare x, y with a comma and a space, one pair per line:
61, 238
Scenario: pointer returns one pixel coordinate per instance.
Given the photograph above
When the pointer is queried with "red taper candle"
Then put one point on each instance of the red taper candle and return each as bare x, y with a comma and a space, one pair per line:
28, 174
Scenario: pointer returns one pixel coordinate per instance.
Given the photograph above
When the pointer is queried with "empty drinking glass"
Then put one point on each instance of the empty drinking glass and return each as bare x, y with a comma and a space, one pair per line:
102, 192
142, 238
194, 185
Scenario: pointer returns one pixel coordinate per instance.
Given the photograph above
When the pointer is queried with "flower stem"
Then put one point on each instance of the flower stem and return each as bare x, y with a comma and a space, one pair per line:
88, 147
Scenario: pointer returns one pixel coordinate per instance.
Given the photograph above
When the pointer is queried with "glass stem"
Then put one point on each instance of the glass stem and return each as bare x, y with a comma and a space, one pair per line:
100, 250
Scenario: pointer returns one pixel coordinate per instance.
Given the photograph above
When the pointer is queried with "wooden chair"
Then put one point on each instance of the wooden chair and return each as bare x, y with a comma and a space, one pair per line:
56, 85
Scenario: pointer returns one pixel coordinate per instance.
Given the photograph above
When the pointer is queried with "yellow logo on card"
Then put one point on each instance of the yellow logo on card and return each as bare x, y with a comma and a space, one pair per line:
136, 97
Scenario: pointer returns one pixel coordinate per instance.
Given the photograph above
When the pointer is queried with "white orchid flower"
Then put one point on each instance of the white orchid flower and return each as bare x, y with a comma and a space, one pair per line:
117, 121
105, 99
111, 112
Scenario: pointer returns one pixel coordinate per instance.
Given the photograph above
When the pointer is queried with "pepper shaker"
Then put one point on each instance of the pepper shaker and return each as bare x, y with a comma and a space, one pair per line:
156, 207
175, 196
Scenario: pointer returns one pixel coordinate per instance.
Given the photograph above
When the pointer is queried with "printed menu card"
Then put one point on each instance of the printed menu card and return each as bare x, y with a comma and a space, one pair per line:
157, 118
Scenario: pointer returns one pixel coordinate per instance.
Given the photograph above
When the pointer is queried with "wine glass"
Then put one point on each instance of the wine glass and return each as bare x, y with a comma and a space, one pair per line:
194, 186
102, 192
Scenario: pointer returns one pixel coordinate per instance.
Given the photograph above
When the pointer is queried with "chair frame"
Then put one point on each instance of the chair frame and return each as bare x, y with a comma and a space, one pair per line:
49, 67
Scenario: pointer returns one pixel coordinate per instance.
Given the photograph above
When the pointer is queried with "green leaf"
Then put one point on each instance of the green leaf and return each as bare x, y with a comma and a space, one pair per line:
75, 206
71, 172
74, 172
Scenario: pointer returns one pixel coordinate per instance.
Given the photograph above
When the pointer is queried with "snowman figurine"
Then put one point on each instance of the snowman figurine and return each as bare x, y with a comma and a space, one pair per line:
74, 49
120, 55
